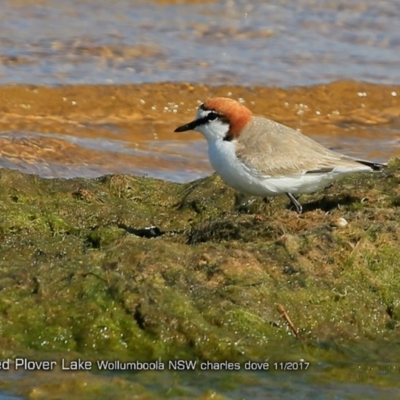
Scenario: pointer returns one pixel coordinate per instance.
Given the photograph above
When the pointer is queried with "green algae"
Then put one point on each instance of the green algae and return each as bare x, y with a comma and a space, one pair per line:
80, 274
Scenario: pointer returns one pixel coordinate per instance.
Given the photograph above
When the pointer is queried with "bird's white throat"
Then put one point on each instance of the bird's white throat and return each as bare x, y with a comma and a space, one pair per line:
213, 130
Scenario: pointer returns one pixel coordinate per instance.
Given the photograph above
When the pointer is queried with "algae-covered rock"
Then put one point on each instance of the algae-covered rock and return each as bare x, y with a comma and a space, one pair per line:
123, 266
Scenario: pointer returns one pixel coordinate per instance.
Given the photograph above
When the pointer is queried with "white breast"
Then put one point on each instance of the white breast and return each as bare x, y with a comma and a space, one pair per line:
234, 173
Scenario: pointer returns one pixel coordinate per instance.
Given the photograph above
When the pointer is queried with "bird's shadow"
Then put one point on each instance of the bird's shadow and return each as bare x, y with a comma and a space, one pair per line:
325, 203
328, 204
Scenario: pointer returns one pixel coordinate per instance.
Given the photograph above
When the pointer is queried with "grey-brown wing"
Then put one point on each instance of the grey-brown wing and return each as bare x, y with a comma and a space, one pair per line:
269, 148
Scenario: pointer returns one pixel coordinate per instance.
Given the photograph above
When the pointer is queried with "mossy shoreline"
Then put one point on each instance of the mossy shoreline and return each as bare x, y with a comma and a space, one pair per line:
81, 272
136, 269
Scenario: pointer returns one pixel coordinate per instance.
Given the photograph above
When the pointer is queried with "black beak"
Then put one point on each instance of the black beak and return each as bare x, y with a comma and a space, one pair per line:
187, 127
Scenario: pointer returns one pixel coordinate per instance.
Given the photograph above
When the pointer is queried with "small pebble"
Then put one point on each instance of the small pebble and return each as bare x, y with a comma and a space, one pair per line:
339, 222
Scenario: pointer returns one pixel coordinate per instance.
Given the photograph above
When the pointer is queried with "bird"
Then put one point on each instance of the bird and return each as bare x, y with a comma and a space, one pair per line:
261, 157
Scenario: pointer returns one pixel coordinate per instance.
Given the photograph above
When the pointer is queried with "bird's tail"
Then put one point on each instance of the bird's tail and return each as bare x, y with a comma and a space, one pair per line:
375, 166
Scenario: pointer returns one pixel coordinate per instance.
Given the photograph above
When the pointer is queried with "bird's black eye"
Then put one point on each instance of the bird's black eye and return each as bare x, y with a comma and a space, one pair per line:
212, 116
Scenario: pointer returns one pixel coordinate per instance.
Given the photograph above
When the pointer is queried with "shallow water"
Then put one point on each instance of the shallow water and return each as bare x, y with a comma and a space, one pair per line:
90, 131
275, 43
316, 383
280, 43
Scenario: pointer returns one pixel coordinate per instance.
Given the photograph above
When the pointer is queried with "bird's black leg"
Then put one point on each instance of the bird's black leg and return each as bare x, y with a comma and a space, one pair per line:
295, 203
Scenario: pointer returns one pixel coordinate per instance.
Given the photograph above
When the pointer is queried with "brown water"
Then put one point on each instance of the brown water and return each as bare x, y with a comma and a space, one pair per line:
94, 130
268, 44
